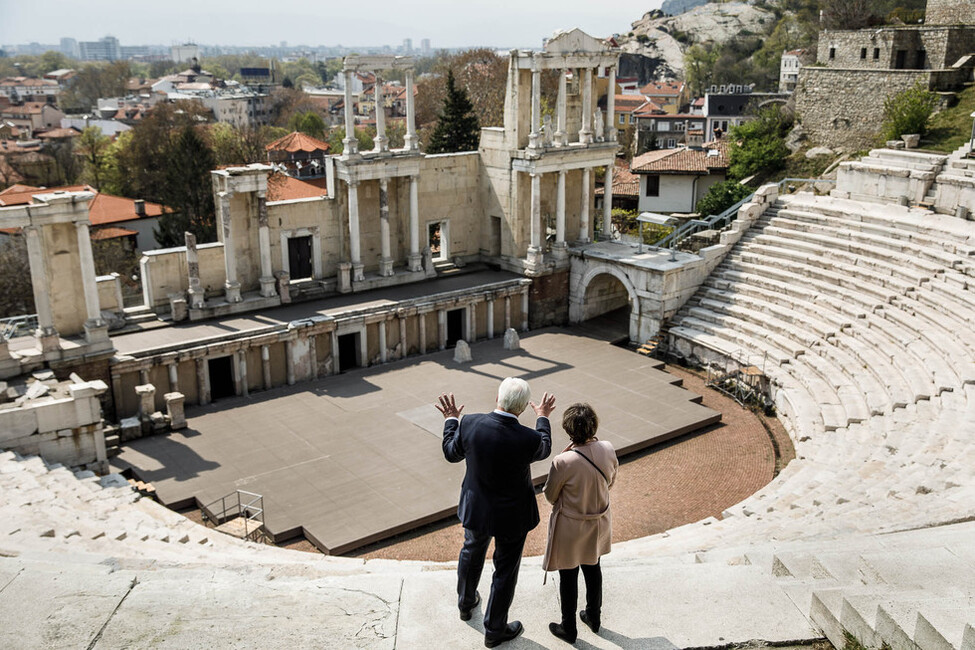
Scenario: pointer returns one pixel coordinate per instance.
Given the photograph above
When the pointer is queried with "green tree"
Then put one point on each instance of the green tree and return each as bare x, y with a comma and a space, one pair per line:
95, 150
93, 81
241, 145
309, 123
457, 127
337, 134
758, 146
908, 112
699, 62
187, 190
722, 196
16, 295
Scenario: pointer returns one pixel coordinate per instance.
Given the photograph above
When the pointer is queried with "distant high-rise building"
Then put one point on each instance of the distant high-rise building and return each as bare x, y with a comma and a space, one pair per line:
106, 49
284, 44
184, 53
425, 47
69, 47
407, 46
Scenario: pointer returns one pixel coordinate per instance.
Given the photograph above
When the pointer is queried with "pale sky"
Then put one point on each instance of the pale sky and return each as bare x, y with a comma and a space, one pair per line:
459, 23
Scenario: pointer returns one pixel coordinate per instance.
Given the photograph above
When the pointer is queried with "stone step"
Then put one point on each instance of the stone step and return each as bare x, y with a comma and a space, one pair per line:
943, 627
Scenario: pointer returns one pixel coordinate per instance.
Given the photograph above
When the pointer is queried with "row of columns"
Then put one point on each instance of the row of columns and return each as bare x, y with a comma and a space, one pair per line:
561, 136
415, 260
240, 355
381, 141
535, 248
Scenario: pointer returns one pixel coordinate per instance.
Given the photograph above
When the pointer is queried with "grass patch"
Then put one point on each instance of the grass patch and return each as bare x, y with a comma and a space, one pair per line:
952, 127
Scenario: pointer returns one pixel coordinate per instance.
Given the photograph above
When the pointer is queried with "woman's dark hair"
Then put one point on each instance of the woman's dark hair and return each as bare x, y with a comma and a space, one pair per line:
580, 422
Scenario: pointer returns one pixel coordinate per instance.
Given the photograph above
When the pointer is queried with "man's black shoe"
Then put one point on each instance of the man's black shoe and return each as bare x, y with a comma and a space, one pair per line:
569, 636
591, 621
465, 614
514, 629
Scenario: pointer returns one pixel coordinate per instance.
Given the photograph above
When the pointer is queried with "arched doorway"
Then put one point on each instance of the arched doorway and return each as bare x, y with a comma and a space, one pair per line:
606, 294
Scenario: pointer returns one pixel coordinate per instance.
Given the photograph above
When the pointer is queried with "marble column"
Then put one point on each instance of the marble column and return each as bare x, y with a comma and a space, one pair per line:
535, 251
442, 328
559, 250
46, 335
243, 389
416, 258
313, 355
608, 203
289, 359
381, 141
264, 239
196, 292
231, 285
472, 322
354, 253
386, 261
402, 336
524, 309
585, 134
334, 336
507, 313
95, 328
611, 106
584, 208
490, 318
534, 138
173, 369
410, 141
382, 341
203, 381
350, 146
561, 135
422, 323
266, 366
143, 376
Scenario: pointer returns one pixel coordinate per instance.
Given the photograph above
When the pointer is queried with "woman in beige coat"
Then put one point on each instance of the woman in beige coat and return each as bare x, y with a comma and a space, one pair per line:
580, 528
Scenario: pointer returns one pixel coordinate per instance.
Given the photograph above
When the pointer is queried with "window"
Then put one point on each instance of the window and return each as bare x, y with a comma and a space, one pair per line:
863, 52
653, 186
832, 53
671, 143
921, 59
678, 126
663, 126
622, 118
876, 53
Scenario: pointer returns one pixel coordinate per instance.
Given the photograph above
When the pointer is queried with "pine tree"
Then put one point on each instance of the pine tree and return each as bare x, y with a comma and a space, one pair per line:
188, 190
457, 128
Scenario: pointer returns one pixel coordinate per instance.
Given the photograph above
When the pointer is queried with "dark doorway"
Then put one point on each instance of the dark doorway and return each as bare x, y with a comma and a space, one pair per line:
901, 61
299, 257
433, 239
348, 352
221, 378
455, 326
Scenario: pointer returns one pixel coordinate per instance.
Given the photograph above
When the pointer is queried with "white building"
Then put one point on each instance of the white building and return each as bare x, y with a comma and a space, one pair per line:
184, 53
673, 180
789, 70
106, 49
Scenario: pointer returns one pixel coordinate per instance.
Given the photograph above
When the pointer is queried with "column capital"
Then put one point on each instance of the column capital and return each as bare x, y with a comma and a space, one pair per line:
82, 223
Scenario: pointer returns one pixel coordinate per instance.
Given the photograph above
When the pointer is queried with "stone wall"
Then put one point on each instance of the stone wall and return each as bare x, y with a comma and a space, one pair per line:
845, 108
547, 300
164, 272
950, 12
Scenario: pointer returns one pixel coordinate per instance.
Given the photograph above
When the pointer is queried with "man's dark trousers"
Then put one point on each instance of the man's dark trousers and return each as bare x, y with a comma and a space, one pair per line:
507, 561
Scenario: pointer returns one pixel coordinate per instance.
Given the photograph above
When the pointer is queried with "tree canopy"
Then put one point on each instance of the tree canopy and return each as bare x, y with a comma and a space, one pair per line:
457, 127
758, 146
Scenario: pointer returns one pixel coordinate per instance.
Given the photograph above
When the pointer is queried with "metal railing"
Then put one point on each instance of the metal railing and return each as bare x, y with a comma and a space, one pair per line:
240, 503
718, 221
15, 326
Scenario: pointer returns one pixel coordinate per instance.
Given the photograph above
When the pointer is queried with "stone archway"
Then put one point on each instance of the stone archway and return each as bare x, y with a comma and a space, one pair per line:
598, 291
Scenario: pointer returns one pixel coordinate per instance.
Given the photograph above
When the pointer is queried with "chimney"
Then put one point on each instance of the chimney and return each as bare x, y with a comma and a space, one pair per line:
140, 207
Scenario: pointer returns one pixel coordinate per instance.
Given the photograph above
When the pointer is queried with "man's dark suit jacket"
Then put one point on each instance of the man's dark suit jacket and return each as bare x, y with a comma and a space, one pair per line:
497, 497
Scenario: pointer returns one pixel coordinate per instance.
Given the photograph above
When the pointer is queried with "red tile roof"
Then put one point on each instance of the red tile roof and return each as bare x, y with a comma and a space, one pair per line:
281, 187
625, 183
103, 209
663, 88
57, 134
648, 108
297, 141
111, 232
627, 103
683, 160
27, 108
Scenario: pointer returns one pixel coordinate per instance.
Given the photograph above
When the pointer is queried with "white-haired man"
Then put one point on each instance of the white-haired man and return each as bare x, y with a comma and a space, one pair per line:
497, 498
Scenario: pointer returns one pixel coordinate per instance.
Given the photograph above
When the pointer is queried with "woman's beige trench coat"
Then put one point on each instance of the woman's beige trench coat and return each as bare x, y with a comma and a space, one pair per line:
580, 529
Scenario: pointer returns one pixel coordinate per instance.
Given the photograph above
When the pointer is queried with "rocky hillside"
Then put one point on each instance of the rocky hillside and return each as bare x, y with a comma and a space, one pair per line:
675, 7
666, 37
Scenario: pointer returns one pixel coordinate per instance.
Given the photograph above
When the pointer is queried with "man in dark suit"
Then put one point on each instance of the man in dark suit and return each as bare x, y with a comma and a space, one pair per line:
497, 498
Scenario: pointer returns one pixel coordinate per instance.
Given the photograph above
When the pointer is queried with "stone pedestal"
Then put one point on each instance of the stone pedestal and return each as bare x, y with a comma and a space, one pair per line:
428, 263
174, 410
197, 299
147, 399
560, 252
536, 260
283, 282
511, 340
96, 331
268, 287
462, 353
357, 273
344, 277
416, 262
177, 308
232, 292
385, 267
48, 339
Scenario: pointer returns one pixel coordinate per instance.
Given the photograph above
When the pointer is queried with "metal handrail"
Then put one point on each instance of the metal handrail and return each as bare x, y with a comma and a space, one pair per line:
15, 326
710, 222
252, 512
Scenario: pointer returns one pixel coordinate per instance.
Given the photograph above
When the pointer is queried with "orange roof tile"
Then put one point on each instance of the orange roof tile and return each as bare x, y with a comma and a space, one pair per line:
111, 232
297, 141
663, 88
682, 160
648, 108
103, 209
281, 187
56, 134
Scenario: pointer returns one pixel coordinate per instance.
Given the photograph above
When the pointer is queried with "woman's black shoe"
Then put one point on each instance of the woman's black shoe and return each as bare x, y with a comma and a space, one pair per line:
593, 622
564, 634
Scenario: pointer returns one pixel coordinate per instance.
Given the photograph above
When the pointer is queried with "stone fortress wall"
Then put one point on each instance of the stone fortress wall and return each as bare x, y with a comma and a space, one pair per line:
949, 12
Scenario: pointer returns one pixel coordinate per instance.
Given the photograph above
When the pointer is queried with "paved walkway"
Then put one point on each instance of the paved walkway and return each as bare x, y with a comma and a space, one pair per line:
356, 458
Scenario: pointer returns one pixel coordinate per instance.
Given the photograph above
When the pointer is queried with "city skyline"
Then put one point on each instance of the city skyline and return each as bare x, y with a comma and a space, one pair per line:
246, 22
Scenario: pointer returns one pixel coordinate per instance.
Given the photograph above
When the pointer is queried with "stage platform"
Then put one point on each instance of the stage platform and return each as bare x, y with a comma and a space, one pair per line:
355, 458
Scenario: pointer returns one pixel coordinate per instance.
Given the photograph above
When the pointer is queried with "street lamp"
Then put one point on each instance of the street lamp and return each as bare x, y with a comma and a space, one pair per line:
660, 220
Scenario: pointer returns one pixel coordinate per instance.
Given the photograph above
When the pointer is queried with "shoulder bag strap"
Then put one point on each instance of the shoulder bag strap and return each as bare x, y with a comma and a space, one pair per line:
589, 460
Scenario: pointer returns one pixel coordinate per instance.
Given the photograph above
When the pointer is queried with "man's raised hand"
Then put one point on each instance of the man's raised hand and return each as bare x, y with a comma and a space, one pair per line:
544, 409
448, 406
